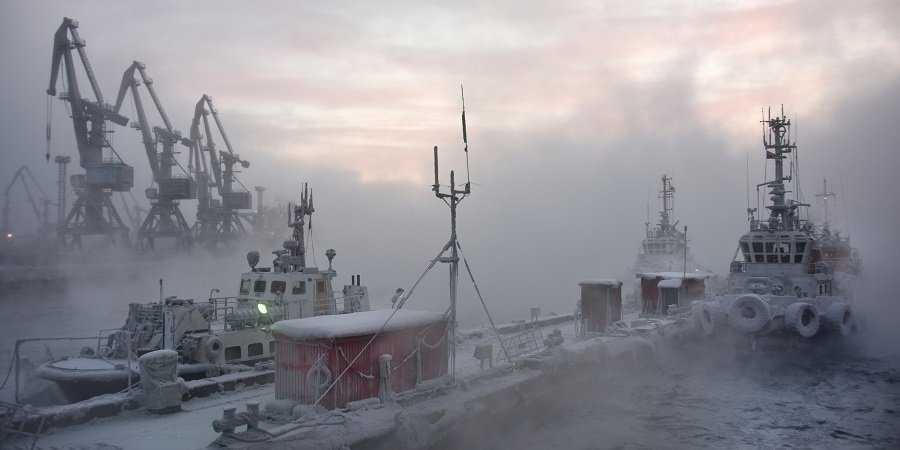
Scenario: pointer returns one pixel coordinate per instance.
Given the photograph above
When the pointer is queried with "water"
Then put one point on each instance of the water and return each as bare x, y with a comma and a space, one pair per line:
709, 400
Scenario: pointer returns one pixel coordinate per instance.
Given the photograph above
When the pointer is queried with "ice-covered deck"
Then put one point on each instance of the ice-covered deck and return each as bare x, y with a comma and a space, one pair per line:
192, 428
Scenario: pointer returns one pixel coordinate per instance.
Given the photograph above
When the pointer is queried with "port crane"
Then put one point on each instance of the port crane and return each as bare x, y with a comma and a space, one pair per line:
164, 220
30, 185
218, 220
93, 212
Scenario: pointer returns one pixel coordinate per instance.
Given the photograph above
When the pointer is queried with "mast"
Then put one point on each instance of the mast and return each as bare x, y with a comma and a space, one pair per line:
667, 194
781, 213
824, 195
452, 199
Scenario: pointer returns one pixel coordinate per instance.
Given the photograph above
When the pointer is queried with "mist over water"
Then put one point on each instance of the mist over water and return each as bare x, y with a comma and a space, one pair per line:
711, 399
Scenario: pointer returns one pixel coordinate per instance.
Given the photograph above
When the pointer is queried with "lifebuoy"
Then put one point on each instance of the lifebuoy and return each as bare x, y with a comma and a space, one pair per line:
318, 377
711, 316
839, 317
213, 349
803, 319
749, 313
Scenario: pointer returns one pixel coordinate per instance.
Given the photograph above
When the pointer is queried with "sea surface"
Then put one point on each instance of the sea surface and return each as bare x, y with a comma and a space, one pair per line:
703, 398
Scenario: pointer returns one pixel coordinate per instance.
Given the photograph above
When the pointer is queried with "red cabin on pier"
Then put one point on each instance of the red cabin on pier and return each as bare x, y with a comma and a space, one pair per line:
311, 353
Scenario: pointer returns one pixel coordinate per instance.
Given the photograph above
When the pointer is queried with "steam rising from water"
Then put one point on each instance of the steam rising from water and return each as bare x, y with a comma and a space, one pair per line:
710, 398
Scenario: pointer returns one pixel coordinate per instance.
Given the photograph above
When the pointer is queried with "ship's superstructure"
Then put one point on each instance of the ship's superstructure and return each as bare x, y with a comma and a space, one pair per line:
780, 279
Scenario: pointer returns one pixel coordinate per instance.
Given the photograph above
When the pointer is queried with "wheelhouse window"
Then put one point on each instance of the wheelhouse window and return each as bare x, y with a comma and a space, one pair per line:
784, 249
299, 287
245, 287
254, 349
259, 286
745, 250
278, 287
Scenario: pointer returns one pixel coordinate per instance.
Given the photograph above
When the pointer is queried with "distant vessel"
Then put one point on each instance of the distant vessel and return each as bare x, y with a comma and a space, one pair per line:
664, 249
213, 336
784, 279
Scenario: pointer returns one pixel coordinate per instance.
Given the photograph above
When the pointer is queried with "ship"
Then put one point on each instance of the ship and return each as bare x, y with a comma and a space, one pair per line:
220, 335
663, 252
783, 284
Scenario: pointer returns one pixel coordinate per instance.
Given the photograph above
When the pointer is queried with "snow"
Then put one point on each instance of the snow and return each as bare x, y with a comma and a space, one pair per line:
601, 282
87, 364
670, 283
674, 275
191, 428
355, 324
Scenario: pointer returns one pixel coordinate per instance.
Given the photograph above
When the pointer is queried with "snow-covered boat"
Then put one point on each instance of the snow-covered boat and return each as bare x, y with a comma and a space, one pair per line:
784, 278
220, 335
664, 249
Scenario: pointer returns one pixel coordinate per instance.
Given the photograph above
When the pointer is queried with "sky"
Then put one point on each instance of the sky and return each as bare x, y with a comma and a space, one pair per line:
574, 111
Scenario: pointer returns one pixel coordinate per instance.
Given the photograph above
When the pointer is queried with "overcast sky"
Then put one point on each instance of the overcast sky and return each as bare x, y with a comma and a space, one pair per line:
575, 110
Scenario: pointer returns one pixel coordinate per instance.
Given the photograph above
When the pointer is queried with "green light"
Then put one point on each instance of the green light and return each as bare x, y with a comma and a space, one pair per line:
263, 309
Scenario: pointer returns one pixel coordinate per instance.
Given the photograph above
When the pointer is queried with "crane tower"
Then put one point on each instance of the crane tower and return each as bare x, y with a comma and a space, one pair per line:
93, 212
165, 218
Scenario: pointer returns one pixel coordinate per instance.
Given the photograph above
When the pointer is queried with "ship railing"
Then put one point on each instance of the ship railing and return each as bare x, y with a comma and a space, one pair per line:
221, 307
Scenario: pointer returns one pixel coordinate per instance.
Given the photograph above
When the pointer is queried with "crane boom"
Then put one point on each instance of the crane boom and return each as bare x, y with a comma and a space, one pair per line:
92, 213
164, 218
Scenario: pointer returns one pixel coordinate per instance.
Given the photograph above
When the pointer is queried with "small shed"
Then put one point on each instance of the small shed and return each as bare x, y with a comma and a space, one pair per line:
311, 353
601, 303
659, 290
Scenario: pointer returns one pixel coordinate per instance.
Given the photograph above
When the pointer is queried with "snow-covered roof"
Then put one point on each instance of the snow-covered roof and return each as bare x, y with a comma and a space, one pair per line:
601, 282
670, 283
674, 275
355, 324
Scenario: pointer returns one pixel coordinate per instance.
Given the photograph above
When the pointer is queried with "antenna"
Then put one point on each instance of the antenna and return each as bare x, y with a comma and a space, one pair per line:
452, 199
462, 94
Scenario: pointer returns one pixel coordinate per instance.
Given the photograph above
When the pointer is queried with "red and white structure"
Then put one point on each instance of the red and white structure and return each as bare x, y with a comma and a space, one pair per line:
342, 358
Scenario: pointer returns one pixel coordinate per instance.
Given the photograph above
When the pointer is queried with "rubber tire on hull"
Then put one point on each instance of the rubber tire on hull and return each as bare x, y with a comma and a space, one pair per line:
839, 318
803, 319
711, 317
749, 313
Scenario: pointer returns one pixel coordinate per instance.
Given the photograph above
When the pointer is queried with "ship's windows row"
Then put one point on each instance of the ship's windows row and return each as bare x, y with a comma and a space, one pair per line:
259, 286
773, 252
235, 353
664, 248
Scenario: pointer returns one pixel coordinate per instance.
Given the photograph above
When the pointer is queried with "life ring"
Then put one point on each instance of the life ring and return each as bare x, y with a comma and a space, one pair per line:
839, 317
803, 319
749, 313
711, 316
318, 377
213, 349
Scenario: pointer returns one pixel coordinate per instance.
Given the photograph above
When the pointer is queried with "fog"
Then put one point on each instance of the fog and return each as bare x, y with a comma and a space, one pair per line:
574, 112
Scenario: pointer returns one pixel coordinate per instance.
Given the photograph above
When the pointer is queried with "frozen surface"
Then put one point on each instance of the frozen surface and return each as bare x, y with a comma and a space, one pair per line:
670, 283
356, 324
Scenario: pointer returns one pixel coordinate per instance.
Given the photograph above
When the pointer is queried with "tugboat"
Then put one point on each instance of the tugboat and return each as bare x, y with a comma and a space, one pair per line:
663, 252
783, 278
664, 247
215, 336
